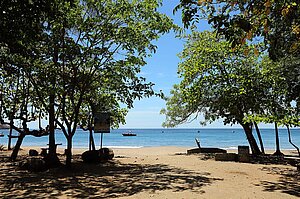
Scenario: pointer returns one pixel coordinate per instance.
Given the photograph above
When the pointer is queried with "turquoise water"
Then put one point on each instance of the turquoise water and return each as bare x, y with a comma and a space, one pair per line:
222, 138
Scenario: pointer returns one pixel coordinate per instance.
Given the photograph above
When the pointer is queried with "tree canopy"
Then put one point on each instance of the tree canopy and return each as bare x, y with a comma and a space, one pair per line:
218, 82
277, 22
85, 55
215, 76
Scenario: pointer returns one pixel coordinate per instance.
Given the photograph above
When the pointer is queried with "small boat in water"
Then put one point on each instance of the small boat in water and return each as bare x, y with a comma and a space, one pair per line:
129, 134
4, 126
1, 135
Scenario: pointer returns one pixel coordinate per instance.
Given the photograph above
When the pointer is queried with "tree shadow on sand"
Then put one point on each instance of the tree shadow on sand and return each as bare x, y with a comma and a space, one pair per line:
108, 180
288, 181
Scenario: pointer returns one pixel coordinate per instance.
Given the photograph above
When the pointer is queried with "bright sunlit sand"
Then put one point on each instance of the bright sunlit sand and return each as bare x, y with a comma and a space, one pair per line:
152, 172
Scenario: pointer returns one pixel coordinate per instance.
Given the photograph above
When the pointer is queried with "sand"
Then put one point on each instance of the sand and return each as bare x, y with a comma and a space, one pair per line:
152, 172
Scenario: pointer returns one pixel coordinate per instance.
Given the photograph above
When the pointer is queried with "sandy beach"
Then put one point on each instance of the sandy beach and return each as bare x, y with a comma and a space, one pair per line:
151, 172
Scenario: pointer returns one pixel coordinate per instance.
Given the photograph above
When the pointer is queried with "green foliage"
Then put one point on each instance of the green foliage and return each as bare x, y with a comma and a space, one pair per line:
82, 50
279, 105
217, 81
276, 21
17, 99
20, 24
289, 69
104, 49
73, 58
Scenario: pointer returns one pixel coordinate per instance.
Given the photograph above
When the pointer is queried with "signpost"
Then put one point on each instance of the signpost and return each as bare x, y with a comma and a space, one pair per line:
101, 124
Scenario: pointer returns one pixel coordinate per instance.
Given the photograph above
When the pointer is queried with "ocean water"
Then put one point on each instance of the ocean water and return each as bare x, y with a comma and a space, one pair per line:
221, 138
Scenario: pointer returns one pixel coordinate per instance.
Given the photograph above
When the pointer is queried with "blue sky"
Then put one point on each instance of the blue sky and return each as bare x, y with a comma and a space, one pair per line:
162, 70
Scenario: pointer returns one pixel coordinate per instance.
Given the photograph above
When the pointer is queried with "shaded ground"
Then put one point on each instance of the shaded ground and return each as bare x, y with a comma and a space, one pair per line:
289, 178
154, 172
108, 180
288, 181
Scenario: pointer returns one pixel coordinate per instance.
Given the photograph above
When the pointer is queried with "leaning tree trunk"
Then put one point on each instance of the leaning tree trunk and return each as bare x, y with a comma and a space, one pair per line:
259, 138
290, 139
277, 152
252, 142
17, 147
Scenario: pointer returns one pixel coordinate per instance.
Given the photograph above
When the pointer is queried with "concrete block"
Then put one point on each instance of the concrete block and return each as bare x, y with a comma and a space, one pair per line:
244, 158
226, 157
243, 150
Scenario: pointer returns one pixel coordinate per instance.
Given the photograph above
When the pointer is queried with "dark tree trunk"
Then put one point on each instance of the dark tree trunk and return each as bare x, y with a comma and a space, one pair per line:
290, 139
17, 147
277, 152
252, 142
9, 135
51, 125
52, 159
92, 142
69, 151
259, 138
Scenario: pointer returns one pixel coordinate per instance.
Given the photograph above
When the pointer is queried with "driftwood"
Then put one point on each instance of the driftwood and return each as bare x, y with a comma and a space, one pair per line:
204, 149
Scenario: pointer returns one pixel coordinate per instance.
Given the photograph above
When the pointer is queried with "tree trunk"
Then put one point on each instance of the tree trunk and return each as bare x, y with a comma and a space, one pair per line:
252, 142
92, 142
9, 135
69, 151
52, 159
17, 147
51, 126
290, 139
259, 138
277, 152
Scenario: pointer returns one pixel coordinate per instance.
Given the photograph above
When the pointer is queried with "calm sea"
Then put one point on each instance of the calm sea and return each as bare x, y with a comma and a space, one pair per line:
222, 138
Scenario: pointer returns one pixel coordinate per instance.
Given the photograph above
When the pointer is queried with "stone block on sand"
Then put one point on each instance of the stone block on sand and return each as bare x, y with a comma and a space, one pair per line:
34, 164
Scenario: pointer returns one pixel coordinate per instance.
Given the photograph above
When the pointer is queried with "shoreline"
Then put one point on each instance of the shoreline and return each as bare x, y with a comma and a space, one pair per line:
183, 148
269, 150
145, 150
